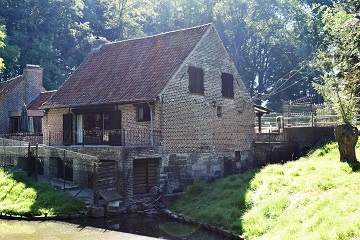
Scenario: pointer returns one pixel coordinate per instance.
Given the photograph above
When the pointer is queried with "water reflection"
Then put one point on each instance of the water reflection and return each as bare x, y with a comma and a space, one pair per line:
177, 230
124, 227
153, 226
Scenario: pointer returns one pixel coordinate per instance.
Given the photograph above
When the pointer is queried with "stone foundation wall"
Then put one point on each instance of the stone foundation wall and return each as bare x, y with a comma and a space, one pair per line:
175, 171
290, 145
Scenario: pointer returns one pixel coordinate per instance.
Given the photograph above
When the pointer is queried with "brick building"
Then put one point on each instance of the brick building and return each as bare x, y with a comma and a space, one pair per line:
165, 110
16, 92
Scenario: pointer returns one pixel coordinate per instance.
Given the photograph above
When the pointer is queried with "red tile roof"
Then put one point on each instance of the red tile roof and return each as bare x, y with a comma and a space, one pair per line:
40, 100
8, 86
128, 71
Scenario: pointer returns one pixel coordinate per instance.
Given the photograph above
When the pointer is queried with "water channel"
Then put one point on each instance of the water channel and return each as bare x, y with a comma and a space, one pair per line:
121, 227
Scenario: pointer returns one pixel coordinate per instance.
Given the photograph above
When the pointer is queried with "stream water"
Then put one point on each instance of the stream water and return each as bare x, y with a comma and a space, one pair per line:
152, 226
122, 227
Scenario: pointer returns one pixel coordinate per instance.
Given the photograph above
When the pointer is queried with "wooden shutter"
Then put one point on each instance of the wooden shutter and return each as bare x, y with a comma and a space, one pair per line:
67, 129
199, 81
192, 79
196, 80
224, 85
144, 175
231, 86
227, 81
115, 128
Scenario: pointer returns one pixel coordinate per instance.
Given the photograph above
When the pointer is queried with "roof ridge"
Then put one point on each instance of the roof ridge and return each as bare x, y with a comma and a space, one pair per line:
159, 34
11, 79
49, 91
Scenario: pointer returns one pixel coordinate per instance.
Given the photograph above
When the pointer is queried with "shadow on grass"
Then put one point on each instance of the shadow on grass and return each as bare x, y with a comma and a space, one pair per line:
220, 204
30, 198
355, 166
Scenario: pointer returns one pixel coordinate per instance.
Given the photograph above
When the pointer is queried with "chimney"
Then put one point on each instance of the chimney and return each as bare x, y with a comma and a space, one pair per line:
97, 43
33, 82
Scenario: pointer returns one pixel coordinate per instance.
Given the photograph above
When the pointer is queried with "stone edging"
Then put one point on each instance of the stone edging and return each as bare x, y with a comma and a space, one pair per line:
179, 217
41, 218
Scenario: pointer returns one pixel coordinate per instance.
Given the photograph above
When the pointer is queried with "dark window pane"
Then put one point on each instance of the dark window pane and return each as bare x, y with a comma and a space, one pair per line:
143, 113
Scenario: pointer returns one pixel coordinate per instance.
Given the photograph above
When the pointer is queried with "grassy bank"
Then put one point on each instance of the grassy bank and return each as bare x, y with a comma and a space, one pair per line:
316, 197
20, 195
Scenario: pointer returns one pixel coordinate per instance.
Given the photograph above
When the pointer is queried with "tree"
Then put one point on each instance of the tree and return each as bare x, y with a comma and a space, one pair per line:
119, 19
2, 45
339, 61
264, 39
50, 33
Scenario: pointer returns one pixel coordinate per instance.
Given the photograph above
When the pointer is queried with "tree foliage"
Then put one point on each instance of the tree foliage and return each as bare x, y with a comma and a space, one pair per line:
339, 61
2, 45
270, 41
45, 32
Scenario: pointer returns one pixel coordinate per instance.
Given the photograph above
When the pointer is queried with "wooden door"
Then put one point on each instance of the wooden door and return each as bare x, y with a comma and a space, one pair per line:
145, 175
67, 129
115, 128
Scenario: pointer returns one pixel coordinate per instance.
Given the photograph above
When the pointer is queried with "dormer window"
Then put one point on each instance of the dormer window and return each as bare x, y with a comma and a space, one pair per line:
227, 81
196, 80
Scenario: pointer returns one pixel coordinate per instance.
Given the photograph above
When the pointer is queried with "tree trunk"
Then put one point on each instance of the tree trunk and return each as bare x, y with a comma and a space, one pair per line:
347, 137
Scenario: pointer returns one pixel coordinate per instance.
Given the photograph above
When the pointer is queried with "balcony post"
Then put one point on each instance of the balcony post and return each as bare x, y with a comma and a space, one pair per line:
151, 125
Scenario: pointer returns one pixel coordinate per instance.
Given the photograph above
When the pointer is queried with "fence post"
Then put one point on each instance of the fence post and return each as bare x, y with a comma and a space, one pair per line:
64, 169
36, 162
4, 144
270, 152
95, 188
312, 119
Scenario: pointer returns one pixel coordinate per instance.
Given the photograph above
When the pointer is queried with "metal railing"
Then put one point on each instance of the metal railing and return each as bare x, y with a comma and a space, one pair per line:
123, 137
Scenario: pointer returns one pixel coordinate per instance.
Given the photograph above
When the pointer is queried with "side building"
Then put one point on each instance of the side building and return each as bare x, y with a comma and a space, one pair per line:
16, 92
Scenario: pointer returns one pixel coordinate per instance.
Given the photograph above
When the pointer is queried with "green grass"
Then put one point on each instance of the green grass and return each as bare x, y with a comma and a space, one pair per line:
20, 195
316, 197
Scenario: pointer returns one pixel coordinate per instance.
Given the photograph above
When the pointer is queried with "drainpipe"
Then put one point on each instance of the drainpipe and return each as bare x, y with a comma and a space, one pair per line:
151, 125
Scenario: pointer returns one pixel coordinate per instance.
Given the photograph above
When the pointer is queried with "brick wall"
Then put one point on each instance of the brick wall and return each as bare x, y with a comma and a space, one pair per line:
129, 120
196, 141
53, 125
31, 80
